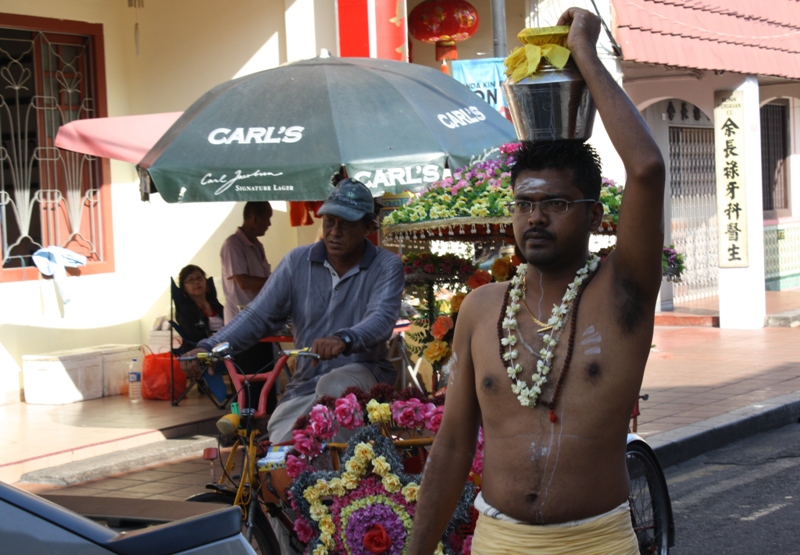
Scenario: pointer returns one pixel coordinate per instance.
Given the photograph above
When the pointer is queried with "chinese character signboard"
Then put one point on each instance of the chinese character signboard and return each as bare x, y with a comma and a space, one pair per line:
730, 157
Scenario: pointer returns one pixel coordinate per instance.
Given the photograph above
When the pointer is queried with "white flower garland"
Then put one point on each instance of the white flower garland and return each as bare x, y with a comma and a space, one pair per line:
529, 396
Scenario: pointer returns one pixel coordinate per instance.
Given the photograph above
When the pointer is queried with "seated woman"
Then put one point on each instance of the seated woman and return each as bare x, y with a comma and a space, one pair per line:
199, 315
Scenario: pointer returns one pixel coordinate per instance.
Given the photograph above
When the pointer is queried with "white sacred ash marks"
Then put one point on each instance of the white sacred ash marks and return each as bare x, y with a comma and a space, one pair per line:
591, 339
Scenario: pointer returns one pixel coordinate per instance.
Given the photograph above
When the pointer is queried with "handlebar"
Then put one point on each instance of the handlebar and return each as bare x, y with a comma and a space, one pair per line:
223, 351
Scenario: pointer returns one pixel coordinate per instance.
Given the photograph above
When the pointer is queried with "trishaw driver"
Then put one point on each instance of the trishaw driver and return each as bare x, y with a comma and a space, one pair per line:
343, 295
554, 474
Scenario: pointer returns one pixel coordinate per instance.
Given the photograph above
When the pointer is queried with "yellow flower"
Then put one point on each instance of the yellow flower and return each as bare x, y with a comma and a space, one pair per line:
322, 488
436, 351
320, 550
364, 452
355, 466
455, 302
391, 483
439, 550
327, 540
410, 491
380, 466
337, 487
378, 412
318, 511
311, 494
327, 526
501, 268
349, 480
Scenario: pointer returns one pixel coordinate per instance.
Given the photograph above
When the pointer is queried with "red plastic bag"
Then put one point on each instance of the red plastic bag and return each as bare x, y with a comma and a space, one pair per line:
156, 376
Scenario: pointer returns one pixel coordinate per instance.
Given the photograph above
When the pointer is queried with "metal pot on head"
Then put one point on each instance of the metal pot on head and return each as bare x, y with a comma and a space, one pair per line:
552, 104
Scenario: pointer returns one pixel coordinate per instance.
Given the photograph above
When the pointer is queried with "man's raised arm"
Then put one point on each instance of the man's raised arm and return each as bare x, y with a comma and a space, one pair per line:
640, 232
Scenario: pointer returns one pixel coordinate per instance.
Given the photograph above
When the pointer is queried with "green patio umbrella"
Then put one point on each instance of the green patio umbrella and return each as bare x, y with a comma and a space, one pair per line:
282, 133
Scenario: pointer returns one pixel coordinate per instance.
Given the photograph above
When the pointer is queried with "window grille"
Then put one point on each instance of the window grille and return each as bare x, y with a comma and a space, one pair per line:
774, 154
48, 196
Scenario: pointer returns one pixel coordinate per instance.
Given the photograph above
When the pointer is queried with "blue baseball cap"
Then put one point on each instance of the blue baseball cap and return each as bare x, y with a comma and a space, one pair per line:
350, 200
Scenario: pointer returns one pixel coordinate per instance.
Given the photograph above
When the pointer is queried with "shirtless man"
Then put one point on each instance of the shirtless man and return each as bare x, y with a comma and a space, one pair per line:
559, 456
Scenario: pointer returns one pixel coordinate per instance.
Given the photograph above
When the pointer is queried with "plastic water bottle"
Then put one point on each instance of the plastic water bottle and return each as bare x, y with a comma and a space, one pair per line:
134, 382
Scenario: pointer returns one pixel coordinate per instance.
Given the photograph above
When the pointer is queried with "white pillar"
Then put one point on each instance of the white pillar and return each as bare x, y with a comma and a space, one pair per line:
742, 297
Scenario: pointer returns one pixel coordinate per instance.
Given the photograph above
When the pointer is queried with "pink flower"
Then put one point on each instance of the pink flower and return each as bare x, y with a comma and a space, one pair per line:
348, 412
303, 530
295, 466
409, 414
477, 463
466, 547
433, 418
306, 443
322, 423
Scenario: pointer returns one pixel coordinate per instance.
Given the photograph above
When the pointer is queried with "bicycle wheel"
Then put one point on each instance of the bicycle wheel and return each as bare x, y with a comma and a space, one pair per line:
649, 501
262, 538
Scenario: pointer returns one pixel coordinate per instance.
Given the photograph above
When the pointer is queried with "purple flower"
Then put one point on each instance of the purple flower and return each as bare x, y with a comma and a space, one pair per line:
360, 522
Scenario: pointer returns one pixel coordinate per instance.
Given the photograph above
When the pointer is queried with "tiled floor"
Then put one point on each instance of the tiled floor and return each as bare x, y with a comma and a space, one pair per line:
174, 482
42, 436
697, 373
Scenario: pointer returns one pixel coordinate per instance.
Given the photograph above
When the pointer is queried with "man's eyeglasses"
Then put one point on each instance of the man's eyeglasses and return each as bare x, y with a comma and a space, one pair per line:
193, 279
549, 206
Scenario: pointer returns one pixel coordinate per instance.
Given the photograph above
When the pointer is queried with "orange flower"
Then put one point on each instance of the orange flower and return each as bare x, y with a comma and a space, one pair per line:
501, 268
436, 351
441, 326
455, 302
481, 277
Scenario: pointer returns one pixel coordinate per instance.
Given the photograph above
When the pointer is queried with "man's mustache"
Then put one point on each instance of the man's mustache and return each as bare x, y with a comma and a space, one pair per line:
537, 231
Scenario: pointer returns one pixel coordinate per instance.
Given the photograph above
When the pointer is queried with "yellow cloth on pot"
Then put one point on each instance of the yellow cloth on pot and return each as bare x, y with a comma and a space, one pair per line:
546, 42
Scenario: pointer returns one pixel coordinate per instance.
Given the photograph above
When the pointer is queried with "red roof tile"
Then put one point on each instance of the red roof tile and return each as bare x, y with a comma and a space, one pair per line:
757, 37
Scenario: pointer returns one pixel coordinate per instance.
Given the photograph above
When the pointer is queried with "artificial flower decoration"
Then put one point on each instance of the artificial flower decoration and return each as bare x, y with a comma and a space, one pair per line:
479, 278
367, 508
481, 190
436, 351
441, 327
437, 264
502, 267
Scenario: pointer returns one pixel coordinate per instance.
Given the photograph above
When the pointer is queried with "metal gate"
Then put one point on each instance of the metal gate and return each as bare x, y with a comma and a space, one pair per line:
694, 211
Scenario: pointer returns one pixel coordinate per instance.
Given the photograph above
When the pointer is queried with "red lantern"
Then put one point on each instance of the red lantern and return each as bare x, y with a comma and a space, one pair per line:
443, 22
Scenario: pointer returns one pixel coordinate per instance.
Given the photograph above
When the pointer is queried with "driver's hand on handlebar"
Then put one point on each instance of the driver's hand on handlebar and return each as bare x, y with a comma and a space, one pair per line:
327, 348
192, 368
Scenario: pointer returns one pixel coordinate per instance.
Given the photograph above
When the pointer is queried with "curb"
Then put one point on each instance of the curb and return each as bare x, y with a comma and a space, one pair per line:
128, 460
681, 444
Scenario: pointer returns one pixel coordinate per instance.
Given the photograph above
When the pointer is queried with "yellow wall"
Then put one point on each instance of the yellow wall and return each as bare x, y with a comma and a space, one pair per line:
185, 48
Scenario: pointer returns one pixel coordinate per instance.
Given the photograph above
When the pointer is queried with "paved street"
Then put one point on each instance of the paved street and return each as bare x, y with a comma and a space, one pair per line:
741, 499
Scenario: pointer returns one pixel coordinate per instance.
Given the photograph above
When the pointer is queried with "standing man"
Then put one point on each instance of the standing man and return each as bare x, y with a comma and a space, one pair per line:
343, 295
244, 263
554, 391
245, 270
